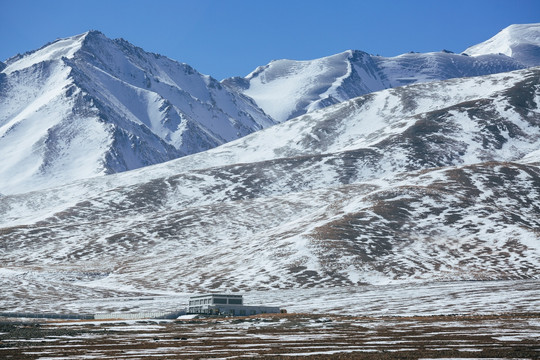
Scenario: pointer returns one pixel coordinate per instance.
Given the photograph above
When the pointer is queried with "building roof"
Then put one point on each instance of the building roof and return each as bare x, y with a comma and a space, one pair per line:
216, 295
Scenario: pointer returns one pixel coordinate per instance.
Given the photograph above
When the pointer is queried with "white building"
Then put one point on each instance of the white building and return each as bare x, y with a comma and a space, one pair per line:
225, 304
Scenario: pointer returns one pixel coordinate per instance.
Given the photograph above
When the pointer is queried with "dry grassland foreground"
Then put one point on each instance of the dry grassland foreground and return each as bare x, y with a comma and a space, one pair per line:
279, 336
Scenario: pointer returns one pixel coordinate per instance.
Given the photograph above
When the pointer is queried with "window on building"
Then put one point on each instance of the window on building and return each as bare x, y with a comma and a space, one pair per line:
235, 301
220, 301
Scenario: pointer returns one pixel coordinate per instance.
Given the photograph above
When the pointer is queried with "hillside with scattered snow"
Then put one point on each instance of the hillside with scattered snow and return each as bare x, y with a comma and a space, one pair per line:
433, 181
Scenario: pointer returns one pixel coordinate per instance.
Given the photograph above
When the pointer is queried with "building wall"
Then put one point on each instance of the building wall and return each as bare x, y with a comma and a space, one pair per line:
215, 299
233, 310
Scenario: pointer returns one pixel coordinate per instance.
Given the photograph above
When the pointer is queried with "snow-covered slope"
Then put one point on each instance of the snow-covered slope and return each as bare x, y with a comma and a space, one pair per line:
88, 105
286, 88
520, 42
370, 119
433, 181
414, 68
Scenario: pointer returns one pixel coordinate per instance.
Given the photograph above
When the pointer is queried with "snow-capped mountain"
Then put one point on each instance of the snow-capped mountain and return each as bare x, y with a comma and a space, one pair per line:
87, 105
520, 42
287, 88
432, 181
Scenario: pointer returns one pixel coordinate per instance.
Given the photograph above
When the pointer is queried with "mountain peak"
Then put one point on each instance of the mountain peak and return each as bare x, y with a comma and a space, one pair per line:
93, 33
93, 36
55, 50
289, 88
519, 41
96, 105
60, 48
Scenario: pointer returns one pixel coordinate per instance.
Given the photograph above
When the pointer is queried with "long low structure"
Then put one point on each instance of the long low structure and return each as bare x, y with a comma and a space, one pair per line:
47, 316
225, 304
141, 315
207, 304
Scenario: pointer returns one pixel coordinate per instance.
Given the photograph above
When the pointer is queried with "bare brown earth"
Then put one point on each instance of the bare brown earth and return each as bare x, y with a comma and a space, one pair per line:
284, 336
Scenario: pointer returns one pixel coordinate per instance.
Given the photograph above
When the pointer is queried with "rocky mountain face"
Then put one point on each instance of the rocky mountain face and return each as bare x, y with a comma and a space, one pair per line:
427, 182
88, 105
286, 88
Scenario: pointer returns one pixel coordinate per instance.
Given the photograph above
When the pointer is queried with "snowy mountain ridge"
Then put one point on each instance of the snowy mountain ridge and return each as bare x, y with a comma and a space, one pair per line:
428, 182
277, 86
87, 105
288, 88
369, 121
50, 52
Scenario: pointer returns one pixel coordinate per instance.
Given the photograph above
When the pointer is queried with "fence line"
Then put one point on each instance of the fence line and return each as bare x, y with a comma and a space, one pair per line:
47, 315
129, 316
99, 316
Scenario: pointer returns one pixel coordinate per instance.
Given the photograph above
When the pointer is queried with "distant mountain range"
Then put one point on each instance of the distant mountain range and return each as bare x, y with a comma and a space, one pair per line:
287, 88
87, 106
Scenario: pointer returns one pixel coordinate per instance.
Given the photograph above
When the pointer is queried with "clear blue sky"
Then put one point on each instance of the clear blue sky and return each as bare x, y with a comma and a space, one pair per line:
232, 37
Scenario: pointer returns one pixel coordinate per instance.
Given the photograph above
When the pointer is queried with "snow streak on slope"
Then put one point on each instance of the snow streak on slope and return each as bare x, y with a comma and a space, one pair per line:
421, 183
521, 42
127, 108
